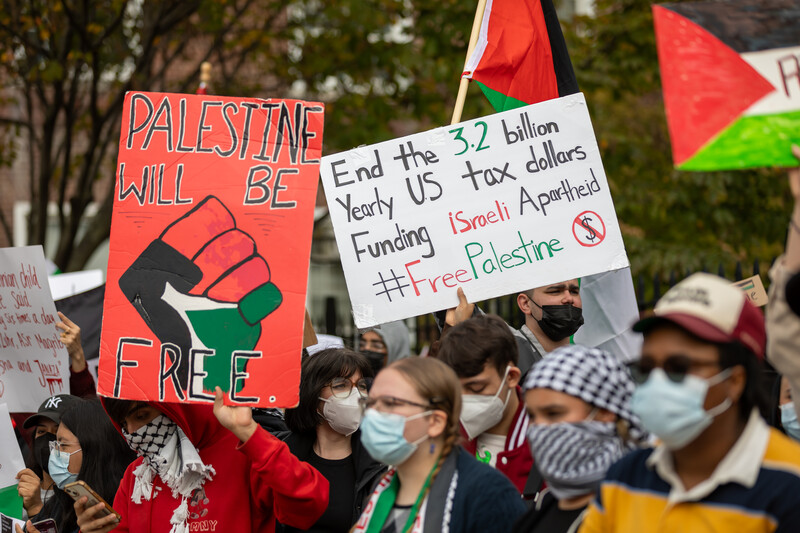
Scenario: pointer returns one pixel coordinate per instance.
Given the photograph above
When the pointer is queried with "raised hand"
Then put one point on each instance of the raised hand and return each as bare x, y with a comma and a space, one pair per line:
71, 338
28, 489
461, 312
237, 419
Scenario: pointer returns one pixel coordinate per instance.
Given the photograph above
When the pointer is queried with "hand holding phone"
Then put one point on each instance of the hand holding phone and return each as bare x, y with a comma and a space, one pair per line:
93, 512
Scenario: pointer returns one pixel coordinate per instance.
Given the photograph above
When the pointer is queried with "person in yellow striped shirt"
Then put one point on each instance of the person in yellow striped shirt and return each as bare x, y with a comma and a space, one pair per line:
718, 467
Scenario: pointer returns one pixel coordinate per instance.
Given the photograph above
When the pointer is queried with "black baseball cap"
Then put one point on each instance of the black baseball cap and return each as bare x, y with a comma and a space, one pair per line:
52, 408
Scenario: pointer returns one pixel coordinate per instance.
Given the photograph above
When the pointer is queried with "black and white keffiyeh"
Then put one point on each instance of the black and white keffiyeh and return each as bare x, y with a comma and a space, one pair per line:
574, 457
593, 375
167, 451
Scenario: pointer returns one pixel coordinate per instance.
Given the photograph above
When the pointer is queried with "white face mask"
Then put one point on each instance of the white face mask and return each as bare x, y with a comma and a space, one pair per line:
480, 412
343, 414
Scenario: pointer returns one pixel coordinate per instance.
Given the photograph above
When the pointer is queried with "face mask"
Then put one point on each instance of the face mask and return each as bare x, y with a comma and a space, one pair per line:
151, 438
375, 360
480, 412
674, 411
343, 414
382, 436
559, 321
41, 450
789, 421
574, 457
58, 467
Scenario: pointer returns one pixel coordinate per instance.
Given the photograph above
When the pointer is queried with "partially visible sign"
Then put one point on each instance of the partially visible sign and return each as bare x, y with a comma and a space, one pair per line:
753, 288
11, 463
496, 205
33, 363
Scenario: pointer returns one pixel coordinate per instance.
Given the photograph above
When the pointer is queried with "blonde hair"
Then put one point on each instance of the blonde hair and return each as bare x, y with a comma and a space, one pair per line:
437, 383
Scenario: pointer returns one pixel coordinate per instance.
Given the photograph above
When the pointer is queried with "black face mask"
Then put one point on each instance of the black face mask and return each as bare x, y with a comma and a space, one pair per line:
41, 449
559, 321
375, 359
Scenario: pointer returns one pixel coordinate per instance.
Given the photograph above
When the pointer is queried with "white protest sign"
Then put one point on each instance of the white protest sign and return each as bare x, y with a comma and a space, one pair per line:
496, 205
33, 363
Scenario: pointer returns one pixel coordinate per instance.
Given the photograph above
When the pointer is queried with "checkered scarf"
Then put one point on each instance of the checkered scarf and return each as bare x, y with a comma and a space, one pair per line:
595, 376
167, 451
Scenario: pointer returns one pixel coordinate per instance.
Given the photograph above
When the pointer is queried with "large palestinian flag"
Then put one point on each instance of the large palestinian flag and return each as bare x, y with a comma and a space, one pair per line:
730, 71
521, 57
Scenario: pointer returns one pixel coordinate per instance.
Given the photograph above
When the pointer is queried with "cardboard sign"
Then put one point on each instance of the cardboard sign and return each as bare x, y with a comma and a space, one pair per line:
501, 204
209, 252
731, 78
11, 463
753, 288
34, 365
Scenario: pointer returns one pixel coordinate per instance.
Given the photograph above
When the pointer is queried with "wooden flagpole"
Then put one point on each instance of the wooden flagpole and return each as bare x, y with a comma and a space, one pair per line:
473, 40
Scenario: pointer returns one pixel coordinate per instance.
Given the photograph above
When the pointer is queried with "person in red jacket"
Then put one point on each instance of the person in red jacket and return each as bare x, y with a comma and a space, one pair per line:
483, 353
205, 469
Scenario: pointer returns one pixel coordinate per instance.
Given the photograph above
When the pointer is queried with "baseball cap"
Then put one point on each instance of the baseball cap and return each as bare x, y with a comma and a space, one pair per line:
52, 408
712, 309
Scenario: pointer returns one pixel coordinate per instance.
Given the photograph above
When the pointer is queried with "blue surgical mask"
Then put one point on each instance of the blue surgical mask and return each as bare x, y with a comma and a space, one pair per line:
789, 421
58, 467
382, 436
674, 412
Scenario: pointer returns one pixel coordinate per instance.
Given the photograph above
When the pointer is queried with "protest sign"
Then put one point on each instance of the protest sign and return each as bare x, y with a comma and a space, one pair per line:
754, 289
495, 205
731, 78
33, 363
209, 251
11, 463
72, 283
7, 524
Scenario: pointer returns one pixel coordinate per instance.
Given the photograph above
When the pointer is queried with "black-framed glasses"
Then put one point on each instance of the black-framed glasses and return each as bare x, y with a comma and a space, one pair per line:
676, 367
341, 387
390, 403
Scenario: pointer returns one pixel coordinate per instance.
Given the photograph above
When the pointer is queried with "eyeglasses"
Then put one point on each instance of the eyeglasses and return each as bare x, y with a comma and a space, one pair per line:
390, 403
676, 368
341, 387
55, 446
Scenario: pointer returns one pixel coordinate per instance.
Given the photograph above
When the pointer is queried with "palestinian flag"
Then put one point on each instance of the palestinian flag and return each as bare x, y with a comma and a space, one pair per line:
730, 72
521, 57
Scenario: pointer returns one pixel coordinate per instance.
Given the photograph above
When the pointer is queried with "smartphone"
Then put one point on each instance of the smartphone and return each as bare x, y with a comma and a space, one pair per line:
79, 489
46, 526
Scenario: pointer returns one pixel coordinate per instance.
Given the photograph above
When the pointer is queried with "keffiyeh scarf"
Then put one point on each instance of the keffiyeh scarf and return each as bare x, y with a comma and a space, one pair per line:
167, 452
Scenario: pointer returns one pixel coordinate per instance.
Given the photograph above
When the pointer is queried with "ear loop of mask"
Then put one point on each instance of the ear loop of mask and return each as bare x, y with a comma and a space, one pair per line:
727, 402
504, 382
425, 436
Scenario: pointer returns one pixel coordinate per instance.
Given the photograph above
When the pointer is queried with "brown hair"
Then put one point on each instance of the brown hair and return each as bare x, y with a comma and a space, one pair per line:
436, 382
468, 346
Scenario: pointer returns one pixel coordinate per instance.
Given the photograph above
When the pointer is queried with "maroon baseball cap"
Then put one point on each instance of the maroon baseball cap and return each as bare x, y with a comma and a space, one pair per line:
712, 309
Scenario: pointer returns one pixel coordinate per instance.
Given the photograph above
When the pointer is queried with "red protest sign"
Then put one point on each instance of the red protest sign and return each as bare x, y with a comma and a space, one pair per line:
210, 243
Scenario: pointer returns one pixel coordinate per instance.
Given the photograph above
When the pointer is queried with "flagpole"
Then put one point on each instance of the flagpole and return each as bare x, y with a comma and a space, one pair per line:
473, 40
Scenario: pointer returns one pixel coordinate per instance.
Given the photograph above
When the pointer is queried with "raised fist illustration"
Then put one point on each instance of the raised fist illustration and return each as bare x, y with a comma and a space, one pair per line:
203, 285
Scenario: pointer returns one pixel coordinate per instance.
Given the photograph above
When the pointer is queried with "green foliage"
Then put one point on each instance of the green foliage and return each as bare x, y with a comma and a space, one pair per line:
384, 68
671, 220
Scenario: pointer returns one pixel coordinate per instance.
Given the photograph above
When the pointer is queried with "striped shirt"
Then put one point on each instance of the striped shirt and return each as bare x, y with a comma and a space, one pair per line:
755, 488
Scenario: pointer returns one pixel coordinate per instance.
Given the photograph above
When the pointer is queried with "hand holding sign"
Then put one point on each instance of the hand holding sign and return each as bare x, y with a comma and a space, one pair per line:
235, 418
29, 490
